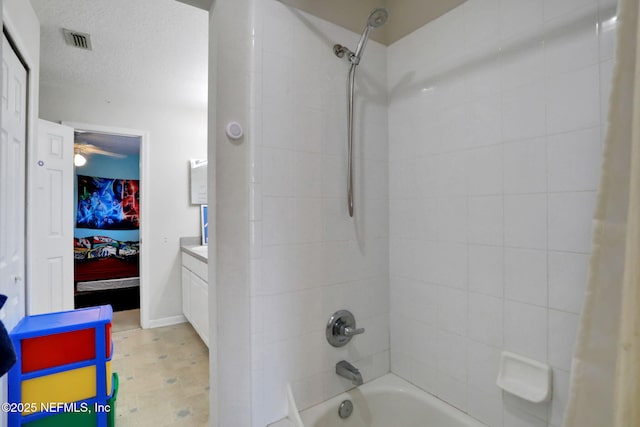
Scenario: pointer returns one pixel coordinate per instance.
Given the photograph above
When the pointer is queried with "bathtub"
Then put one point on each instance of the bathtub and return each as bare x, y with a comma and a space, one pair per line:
388, 401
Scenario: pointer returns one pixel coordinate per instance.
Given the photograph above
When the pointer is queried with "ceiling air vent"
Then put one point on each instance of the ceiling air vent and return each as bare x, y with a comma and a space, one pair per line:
77, 39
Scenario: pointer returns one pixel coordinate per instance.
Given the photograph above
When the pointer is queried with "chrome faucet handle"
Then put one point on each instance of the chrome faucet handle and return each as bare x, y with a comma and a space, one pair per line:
341, 327
349, 332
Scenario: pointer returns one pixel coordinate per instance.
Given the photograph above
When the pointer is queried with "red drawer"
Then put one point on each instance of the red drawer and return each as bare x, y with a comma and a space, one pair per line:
108, 338
59, 349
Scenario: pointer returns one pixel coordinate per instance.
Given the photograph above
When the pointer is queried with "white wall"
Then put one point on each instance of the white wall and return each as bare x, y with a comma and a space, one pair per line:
288, 255
175, 136
496, 119
212, 134
231, 51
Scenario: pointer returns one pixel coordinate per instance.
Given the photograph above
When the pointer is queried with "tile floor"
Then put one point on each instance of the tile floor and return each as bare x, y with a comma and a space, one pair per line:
125, 320
164, 375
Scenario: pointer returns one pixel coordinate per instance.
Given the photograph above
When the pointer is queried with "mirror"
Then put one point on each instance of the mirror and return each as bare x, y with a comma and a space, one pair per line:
198, 182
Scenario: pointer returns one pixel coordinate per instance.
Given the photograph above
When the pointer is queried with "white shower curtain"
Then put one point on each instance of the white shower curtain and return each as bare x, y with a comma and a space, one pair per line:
605, 375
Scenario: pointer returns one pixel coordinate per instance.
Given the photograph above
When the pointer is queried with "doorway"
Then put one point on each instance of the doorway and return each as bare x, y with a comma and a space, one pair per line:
109, 217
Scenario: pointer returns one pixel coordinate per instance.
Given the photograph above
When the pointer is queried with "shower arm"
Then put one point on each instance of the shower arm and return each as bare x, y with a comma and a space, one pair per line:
341, 51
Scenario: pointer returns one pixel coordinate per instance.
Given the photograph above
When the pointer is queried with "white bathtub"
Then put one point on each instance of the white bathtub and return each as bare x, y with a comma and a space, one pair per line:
388, 401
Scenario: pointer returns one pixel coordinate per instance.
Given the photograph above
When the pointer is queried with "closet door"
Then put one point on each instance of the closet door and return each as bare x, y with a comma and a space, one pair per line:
12, 185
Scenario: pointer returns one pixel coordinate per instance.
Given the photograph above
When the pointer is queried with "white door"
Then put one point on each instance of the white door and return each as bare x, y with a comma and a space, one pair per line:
12, 185
50, 285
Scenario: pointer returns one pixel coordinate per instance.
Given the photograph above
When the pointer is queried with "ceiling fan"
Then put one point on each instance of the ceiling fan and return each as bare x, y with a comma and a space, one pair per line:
86, 148
81, 149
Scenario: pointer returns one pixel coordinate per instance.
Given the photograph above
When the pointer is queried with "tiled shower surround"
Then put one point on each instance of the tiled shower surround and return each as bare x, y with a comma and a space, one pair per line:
496, 123
478, 143
309, 259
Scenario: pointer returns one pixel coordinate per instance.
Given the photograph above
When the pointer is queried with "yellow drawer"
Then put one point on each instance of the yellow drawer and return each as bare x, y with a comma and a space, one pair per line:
65, 387
109, 378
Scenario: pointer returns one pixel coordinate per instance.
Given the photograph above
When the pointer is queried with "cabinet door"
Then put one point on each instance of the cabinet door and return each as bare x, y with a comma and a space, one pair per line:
186, 285
199, 307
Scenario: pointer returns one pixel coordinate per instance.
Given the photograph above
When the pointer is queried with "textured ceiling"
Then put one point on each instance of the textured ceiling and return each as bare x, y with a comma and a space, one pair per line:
151, 50
405, 16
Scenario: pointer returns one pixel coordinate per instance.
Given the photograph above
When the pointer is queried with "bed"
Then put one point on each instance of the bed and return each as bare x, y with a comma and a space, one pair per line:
104, 262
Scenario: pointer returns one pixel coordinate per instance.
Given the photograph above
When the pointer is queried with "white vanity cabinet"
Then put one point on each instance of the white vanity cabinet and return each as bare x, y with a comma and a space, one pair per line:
195, 294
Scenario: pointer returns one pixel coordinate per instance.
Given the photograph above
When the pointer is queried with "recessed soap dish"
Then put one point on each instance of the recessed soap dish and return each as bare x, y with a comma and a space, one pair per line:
524, 377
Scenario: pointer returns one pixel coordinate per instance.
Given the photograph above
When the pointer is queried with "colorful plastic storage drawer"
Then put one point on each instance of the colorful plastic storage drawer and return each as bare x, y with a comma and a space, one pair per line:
78, 346
64, 362
81, 419
66, 419
108, 340
65, 387
111, 416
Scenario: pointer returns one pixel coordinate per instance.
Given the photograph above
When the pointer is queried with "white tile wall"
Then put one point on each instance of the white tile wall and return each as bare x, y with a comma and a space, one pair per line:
569, 219
525, 166
494, 152
567, 174
567, 280
486, 217
476, 176
484, 168
525, 276
485, 319
525, 222
573, 100
525, 329
523, 112
485, 270
314, 259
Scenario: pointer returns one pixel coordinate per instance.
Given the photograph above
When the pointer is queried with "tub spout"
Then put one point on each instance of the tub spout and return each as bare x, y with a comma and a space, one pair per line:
348, 371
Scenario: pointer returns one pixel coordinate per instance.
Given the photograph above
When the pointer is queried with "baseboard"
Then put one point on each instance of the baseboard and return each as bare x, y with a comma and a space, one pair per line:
167, 321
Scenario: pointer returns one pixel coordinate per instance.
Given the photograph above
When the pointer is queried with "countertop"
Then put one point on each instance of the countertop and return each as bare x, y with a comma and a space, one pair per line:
191, 246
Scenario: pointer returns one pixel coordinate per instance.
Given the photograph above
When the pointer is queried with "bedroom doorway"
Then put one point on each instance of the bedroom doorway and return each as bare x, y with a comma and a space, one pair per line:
108, 219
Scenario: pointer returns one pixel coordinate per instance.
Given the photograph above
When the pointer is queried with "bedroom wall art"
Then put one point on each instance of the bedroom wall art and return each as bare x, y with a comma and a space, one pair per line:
107, 203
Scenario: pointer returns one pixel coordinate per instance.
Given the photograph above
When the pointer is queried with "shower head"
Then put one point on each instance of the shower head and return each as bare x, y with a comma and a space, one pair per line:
377, 18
